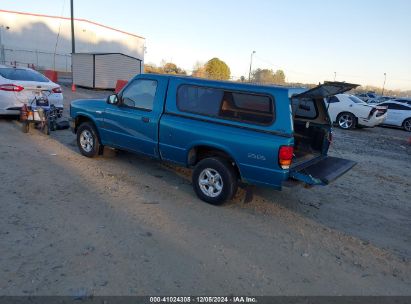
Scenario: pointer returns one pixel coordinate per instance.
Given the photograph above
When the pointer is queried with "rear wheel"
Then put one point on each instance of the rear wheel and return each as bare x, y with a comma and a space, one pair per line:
214, 180
407, 124
87, 140
346, 121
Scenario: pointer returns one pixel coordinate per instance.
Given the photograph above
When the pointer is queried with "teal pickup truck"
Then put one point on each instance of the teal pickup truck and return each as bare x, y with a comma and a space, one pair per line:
227, 132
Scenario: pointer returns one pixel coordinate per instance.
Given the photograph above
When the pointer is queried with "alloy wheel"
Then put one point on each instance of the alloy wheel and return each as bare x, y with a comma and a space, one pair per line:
345, 121
210, 182
86, 140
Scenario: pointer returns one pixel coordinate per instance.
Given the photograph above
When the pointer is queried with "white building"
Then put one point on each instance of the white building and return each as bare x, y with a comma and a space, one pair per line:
45, 41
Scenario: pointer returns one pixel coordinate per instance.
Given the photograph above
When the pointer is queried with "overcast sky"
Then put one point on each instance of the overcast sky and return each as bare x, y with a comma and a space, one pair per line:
309, 40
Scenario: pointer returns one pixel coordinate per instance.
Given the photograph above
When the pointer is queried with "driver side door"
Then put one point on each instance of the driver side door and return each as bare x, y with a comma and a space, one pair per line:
132, 123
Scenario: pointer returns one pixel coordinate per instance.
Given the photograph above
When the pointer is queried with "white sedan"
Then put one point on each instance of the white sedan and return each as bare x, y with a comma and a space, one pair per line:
399, 114
348, 111
20, 86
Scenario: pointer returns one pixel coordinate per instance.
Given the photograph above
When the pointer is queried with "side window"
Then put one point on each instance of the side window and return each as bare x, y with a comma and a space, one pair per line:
247, 107
394, 106
402, 107
257, 109
140, 94
199, 100
332, 99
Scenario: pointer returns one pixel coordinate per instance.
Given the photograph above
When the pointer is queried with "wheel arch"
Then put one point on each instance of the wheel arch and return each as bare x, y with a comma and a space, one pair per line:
403, 122
201, 151
82, 118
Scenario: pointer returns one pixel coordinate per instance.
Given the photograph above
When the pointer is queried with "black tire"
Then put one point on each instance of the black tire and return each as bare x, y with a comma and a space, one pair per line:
87, 140
346, 121
25, 126
226, 180
407, 124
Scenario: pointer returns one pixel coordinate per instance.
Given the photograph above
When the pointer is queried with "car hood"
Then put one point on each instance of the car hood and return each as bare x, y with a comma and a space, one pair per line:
89, 103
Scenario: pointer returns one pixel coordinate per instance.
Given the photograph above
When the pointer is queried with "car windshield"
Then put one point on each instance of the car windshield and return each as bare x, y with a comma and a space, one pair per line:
22, 75
356, 99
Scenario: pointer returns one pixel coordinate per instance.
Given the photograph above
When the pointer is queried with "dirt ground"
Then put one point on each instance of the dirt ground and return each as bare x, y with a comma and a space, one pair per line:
126, 225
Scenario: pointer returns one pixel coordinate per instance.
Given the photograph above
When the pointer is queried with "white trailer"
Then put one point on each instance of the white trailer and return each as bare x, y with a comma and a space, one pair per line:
102, 70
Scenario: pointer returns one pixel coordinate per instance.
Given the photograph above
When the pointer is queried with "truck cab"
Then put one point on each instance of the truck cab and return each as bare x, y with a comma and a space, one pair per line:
227, 132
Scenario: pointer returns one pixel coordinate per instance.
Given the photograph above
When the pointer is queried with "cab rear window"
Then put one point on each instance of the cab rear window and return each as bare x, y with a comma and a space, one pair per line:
22, 75
226, 104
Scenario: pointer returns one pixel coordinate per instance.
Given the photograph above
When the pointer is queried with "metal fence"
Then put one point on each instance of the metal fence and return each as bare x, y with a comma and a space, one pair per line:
40, 60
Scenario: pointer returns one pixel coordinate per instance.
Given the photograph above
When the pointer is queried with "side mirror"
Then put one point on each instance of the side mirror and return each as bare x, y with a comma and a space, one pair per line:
112, 99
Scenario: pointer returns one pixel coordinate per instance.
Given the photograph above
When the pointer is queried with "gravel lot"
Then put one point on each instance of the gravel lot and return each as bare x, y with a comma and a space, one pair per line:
126, 225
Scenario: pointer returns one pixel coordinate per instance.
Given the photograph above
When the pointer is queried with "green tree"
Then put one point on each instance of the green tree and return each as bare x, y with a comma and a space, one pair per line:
151, 69
171, 68
279, 77
268, 76
217, 69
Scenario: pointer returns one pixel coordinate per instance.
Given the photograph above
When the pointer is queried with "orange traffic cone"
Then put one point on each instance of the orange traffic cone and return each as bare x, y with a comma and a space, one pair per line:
73, 87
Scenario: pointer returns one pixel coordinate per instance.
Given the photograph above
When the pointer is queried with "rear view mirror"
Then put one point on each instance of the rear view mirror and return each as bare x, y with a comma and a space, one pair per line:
112, 99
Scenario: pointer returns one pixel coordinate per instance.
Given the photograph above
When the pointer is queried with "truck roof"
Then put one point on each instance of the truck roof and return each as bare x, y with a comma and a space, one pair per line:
244, 85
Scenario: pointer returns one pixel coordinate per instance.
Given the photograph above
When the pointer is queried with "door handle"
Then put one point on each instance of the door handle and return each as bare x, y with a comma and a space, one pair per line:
145, 119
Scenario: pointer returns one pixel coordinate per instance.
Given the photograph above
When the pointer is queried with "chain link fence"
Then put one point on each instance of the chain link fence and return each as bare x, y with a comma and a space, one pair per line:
40, 60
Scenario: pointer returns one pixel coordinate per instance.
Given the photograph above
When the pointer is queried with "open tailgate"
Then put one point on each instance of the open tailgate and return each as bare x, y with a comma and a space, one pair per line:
322, 172
327, 89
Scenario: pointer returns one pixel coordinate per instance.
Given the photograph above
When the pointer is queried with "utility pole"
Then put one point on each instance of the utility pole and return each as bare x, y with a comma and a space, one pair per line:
251, 63
383, 86
335, 75
2, 52
73, 43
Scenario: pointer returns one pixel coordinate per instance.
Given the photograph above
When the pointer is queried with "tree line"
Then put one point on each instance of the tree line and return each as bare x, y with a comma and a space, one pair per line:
217, 69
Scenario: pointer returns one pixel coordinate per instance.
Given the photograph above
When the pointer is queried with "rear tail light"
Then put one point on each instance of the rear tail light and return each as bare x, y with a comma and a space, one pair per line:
285, 156
372, 111
11, 87
56, 90
381, 111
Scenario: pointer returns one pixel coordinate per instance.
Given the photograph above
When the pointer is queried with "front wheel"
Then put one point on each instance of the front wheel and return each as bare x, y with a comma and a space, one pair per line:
346, 121
87, 140
407, 125
214, 180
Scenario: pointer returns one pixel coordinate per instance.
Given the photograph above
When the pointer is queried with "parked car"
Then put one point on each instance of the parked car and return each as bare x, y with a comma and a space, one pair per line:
20, 85
403, 100
228, 132
369, 97
349, 112
399, 114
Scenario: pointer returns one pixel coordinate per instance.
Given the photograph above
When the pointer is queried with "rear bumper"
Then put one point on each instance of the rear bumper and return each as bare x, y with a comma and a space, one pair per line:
372, 122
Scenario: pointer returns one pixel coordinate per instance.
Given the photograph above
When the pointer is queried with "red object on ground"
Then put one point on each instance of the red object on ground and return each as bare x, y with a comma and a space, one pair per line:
119, 85
73, 87
409, 141
52, 75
